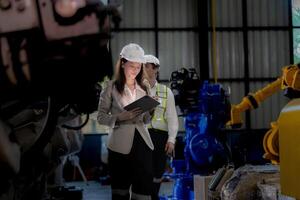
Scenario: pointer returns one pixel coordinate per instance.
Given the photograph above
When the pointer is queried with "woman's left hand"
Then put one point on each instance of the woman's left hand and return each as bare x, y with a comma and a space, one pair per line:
170, 149
155, 97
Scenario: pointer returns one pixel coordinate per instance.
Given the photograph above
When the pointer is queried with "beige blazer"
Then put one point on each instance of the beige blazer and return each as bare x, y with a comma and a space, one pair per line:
121, 134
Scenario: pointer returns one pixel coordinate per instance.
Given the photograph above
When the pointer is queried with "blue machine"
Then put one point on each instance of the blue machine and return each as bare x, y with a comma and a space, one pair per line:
203, 151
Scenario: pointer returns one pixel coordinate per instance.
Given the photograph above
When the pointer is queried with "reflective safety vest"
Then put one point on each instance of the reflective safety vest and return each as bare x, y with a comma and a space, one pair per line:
158, 120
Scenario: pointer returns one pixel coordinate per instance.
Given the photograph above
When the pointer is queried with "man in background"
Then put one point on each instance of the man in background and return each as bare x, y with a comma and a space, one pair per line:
164, 124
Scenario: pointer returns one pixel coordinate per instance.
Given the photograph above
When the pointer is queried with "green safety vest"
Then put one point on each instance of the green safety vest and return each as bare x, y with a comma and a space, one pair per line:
158, 120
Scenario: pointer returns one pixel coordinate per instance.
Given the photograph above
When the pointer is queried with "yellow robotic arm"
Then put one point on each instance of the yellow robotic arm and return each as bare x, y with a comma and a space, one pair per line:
289, 79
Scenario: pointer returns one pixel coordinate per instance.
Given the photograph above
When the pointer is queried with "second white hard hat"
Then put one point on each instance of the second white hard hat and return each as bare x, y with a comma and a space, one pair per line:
152, 59
133, 52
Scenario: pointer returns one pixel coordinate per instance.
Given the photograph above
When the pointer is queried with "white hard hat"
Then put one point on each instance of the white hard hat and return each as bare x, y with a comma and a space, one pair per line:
133, 52
151, 59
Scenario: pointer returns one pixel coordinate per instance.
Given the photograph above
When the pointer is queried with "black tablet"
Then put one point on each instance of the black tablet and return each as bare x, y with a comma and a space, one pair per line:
146, 103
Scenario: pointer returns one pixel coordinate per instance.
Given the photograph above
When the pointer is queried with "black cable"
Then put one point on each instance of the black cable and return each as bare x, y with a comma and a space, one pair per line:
47, 130
77, 127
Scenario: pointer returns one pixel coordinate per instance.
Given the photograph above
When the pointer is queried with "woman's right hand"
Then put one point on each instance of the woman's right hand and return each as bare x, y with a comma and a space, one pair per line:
127, 115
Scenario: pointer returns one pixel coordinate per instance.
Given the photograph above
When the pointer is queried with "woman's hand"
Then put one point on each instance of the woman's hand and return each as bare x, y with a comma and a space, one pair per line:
170, 149
155, 97
153, 109
127, 115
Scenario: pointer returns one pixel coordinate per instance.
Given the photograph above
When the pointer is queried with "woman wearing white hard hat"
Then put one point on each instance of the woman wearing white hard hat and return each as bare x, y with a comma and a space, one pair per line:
130, 145
164, 124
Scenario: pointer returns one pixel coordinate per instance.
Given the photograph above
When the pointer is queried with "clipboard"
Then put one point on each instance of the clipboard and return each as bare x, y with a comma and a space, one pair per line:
146, 103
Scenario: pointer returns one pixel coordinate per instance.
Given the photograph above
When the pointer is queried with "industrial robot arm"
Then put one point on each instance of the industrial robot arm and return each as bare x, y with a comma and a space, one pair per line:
289, 79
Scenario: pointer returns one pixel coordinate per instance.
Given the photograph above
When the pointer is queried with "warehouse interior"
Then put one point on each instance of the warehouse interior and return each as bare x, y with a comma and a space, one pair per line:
232, 67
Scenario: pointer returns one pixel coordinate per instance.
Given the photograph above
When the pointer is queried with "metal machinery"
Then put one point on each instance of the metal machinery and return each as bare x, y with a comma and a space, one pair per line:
206, 108
207, 112
288, 81
52, 54
289, 138
204, 150
283, 132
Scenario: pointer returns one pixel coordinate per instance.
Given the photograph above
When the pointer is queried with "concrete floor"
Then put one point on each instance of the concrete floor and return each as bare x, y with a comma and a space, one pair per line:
93, 190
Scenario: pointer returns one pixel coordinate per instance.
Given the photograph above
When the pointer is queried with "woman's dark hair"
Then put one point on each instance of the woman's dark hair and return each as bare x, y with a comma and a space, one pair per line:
120, 78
